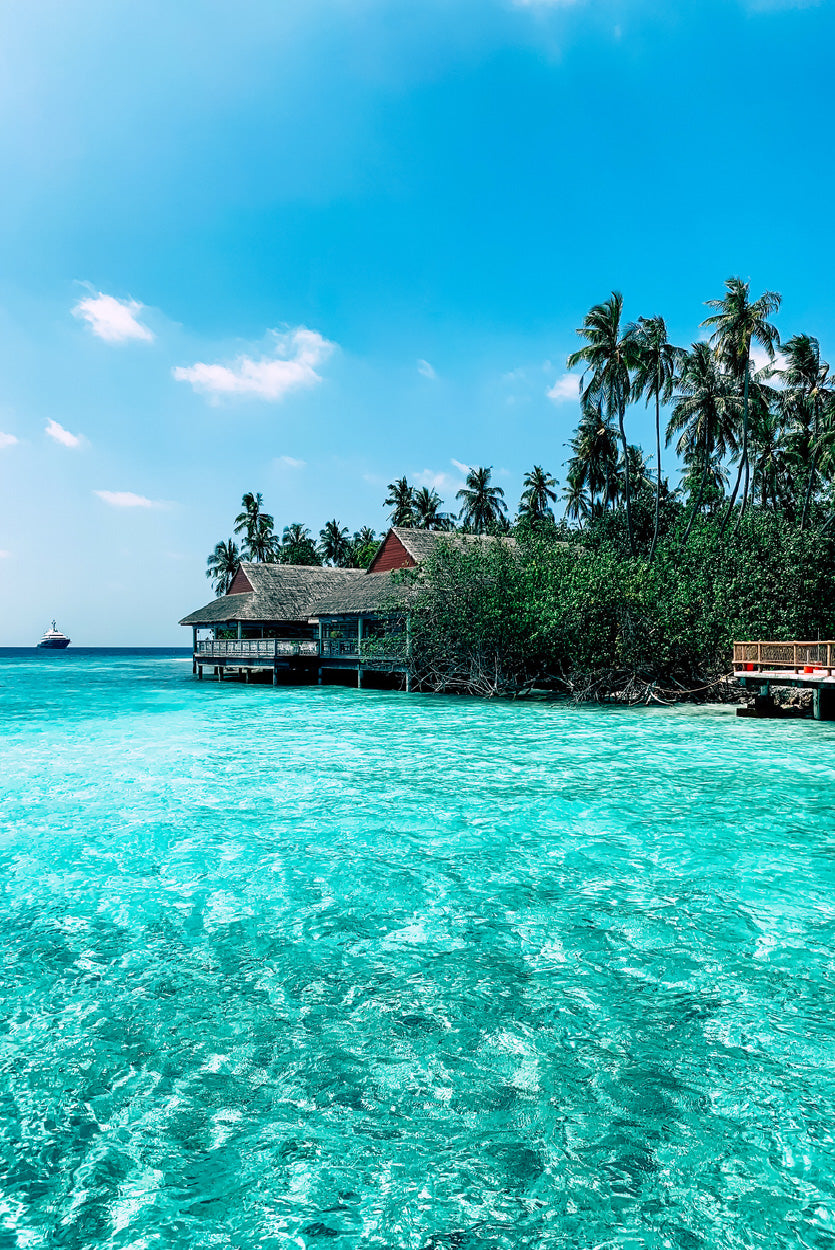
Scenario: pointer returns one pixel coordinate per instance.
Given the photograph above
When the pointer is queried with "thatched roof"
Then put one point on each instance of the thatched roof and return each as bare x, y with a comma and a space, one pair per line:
420, 543
373, 593
280, 592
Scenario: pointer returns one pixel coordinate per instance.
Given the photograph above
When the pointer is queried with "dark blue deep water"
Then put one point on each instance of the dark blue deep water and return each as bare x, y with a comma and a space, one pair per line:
326, 968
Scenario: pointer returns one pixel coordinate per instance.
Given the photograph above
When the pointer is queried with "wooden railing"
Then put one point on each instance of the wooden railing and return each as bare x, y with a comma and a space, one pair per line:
256, 648
791, 656
344, 648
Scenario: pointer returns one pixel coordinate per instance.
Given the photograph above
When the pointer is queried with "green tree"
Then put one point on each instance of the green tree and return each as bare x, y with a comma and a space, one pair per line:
222, 565
594, 465
576, 500
537, 495
808, 394
297, 545
261, 543
333, 544
400, 499
363, 548
482, 505
258, 528
655, 363
738, 322
427, 510
608, 358
704, 417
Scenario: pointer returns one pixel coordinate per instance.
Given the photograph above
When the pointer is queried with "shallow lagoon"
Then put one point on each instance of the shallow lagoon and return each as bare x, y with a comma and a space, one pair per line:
307, 967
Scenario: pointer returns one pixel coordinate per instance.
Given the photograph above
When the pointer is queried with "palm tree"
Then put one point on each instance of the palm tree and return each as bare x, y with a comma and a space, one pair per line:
656, 361
639, 472
363, 548
608, 359
738, 322
257, 526
770, 456
252, 510
483, 505
400, 499
222, 565
297, 545
333, 543
595, 459
807, 391
704, 417
578, 505
261, 543
426, 511
538, 495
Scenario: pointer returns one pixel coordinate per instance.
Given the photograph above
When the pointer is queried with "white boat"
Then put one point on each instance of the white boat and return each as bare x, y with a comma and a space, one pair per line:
54, 640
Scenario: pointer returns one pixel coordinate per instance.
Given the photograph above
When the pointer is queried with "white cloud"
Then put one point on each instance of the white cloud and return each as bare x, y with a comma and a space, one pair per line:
425, 369
62, 436
566, 387
444, 483
127, 499
8, 440
290, 462
462, 468
5, 555
112, 319
293, 367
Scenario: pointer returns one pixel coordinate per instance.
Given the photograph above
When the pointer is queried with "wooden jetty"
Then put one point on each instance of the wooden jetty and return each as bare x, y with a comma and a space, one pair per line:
762, 665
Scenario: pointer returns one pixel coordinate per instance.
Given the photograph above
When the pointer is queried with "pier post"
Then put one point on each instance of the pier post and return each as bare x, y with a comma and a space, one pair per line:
359, 677
408, 683
219, 671
193, 665
199, 672
319, 682
275, 674
823, 703
247, 672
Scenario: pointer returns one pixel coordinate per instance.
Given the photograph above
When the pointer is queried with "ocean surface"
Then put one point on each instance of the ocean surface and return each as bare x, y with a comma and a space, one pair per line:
327, 968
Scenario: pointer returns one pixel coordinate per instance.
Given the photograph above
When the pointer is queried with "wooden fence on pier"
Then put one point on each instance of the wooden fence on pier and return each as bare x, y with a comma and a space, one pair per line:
786, 657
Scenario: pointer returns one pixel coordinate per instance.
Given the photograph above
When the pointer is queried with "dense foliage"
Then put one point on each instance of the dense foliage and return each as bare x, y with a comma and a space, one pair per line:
643, 586
582, 616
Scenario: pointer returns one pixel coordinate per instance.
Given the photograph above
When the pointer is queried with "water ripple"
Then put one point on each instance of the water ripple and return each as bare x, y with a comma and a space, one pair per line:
319, 968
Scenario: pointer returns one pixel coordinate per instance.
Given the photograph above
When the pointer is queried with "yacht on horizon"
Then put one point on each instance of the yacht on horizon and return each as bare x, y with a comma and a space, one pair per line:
54, 640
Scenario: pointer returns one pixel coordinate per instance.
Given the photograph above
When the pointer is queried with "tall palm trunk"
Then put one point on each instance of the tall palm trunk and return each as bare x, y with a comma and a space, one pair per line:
812, 466
658, 464
627, 494
697, 505
743, 462
745, 434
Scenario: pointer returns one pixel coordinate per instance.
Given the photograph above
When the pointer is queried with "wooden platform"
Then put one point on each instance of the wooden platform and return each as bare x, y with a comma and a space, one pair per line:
802, 665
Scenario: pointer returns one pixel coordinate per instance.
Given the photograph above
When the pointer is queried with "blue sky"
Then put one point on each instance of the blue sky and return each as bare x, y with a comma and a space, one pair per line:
306, 248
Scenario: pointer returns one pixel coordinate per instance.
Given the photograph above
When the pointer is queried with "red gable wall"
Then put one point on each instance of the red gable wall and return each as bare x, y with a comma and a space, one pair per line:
241, 584
392, 555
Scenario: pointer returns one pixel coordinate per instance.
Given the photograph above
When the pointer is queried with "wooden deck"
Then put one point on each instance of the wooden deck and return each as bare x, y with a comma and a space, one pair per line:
803, 664
302, 658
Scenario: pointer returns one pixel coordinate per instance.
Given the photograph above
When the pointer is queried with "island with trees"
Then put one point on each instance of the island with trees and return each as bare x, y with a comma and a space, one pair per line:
658, 562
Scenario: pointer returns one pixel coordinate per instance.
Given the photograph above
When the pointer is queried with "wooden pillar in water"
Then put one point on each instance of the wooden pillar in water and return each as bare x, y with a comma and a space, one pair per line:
359, 677
247, 675
219, 671
199, 672
275, 674
823, 703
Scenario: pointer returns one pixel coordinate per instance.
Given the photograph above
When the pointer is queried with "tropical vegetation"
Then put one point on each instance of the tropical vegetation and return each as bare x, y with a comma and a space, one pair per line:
725, 528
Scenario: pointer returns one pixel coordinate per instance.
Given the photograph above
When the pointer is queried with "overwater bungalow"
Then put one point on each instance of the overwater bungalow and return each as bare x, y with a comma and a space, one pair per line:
303, 621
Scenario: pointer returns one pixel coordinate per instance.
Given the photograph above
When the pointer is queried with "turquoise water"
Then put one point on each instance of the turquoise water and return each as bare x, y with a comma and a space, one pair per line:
327, 968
